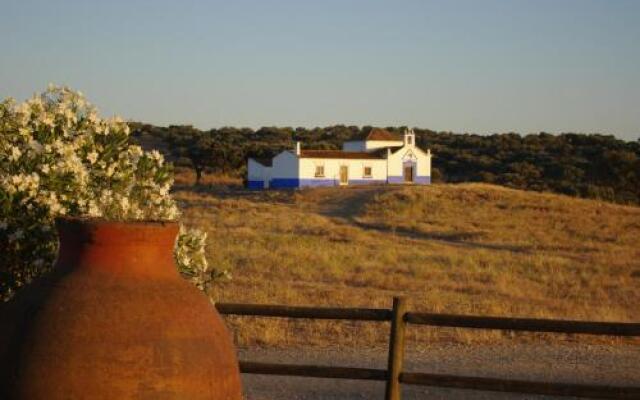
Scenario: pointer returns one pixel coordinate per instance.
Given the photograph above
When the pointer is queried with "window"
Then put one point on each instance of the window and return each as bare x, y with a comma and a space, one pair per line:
319, 171
409, 140
367, 172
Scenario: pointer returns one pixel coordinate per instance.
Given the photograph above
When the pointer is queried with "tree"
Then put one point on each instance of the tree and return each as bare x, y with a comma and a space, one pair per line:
187, 142
199, 153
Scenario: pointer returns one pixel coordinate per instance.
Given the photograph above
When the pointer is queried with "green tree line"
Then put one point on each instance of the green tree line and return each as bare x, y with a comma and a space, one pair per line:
586, 165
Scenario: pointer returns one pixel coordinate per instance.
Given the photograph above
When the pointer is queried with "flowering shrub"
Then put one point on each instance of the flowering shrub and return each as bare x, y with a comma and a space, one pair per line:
58, 157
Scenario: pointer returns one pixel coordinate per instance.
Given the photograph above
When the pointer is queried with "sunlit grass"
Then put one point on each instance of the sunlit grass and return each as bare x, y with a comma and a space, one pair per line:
470, 248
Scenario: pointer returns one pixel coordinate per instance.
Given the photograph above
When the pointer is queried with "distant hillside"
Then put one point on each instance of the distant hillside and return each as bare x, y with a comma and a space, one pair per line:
463, 248
591, 166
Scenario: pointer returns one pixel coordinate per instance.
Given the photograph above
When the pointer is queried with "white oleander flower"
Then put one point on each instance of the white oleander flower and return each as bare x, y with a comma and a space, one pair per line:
94, 210
36, 146
58, 157
14, 153
47, 120
111, 169
92, 157
164, 190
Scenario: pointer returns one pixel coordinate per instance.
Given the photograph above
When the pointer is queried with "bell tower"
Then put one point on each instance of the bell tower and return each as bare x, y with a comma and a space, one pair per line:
409, 137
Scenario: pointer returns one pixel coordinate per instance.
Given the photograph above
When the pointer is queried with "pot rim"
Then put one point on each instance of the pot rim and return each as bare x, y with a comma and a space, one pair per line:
103, 221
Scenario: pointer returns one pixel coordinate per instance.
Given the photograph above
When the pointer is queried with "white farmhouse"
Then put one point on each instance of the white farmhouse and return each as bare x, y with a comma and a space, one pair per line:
379, 158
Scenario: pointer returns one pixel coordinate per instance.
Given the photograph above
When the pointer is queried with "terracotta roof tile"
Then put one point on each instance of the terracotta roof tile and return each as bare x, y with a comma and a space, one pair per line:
382, 134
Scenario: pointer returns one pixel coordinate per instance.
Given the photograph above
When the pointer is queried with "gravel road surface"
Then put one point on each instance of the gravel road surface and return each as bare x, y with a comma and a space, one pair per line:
574, 363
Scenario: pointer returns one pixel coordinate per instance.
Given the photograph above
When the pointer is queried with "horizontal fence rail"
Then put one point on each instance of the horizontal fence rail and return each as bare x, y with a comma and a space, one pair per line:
399, 318
313, 371
263, 310
524, 324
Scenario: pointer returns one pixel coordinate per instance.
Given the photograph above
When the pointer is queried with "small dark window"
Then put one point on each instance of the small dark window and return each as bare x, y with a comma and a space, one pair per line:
367, 172
319, 171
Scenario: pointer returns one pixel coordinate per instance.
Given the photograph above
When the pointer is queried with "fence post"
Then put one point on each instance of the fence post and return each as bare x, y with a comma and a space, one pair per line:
396, 349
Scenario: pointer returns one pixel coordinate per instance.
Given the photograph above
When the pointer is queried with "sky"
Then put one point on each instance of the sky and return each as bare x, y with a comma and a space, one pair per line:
465, 66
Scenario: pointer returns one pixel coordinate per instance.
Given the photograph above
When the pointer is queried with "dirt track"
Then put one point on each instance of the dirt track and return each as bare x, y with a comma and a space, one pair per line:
577, 363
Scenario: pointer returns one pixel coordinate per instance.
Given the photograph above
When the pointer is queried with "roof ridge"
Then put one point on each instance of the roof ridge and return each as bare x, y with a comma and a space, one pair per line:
383, 135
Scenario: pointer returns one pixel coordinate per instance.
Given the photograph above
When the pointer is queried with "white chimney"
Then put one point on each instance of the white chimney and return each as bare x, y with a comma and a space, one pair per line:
297, 148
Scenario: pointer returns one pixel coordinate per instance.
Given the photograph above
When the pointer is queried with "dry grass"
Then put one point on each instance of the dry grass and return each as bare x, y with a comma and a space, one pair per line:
186, 177
469, 248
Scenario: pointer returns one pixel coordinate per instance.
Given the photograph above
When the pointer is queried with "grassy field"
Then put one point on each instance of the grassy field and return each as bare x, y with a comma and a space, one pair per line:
467, 248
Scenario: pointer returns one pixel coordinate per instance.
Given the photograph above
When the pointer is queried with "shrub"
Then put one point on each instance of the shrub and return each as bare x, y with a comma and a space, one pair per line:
59, 157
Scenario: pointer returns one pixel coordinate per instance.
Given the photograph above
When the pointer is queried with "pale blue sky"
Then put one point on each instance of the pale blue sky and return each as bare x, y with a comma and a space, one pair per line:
476, 66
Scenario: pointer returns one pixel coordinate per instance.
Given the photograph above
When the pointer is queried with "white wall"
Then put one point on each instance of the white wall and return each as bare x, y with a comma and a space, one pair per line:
258, 172
379, 144
285, 165
424, 162
255, 170
369, 145
332, 168
354, 146
422, 159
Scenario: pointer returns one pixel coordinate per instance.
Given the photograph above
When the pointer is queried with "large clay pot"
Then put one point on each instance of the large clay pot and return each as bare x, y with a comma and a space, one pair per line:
115, 321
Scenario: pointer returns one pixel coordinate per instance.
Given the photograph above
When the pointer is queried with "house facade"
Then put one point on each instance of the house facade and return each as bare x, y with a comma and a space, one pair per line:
378, 158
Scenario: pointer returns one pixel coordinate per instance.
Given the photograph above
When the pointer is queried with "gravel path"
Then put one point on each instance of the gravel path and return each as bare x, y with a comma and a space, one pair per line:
576, 363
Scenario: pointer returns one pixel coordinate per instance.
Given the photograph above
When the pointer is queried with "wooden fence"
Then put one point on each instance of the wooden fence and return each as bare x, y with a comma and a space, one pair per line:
394, 375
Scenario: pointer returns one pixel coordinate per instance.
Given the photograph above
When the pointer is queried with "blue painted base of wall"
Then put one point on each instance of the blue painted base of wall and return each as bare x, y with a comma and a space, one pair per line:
366, 182
335, 182
418, 180
289, 183
285, 183
423, 180
255, 184
317, 182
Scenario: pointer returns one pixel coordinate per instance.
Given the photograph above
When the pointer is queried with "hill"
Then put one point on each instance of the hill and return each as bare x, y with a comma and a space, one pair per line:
463, 248
585, 165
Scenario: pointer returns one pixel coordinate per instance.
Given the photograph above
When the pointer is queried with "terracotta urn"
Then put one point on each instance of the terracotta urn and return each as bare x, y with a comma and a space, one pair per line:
114, 320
